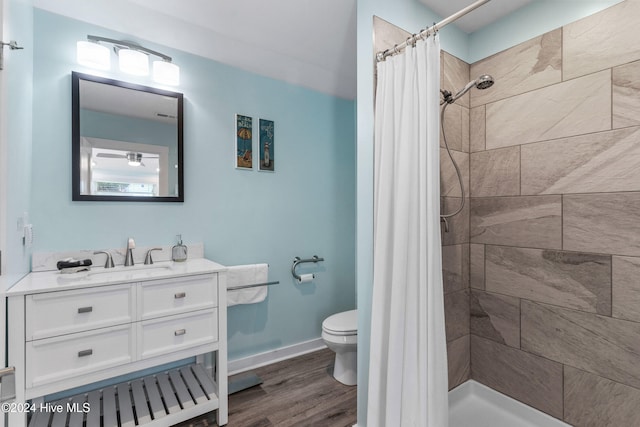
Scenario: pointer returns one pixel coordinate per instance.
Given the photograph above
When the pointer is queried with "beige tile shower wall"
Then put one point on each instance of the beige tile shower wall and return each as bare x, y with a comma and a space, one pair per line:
449, 183
626, 288
570, 279
458, 352
626, 103
495, 317
573, 107
455, 75
591, 400
518, 221
601, 41
455, 258
532, 379
554, 225
495, 172
523, 68
452, 123
603, 222
592, 163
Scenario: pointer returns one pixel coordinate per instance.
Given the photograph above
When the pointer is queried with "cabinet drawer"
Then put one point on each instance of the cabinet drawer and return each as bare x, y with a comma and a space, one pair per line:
57, 313
58, 358
174, 296
168, 334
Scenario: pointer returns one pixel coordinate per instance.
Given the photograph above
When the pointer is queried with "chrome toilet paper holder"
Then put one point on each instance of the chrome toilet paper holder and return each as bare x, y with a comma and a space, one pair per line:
298, 260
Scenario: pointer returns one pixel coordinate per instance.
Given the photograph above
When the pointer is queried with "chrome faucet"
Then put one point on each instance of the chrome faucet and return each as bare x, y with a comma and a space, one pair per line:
109, 261
148, 260
128, 259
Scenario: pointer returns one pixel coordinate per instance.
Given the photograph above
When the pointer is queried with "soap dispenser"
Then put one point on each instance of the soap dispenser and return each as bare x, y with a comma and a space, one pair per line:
179, 251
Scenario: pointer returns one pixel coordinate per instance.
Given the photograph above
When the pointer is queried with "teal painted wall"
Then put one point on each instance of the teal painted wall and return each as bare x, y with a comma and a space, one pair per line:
16, 155
305, 207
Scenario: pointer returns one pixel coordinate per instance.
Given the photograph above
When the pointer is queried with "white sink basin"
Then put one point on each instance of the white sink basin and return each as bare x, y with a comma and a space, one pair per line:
133, 269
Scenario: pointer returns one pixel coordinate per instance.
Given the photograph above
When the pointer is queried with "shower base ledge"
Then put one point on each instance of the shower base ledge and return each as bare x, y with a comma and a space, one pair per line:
472, 404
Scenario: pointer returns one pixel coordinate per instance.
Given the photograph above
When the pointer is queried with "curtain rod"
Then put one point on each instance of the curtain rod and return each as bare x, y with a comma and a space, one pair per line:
381, 56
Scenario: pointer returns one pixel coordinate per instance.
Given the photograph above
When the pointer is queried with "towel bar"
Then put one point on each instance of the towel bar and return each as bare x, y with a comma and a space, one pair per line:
253, 286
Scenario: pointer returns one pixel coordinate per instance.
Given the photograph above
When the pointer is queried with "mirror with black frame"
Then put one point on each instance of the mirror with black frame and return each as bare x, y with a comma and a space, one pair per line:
126, 141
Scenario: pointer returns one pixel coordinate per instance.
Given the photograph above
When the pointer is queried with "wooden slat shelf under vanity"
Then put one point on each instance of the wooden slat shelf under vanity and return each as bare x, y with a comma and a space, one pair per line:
162, 399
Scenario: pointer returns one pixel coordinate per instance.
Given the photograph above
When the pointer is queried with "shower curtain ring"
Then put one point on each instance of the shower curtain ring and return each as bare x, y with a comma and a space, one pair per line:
395, 49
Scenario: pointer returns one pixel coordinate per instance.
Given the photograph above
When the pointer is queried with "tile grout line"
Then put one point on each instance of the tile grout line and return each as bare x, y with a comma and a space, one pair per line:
520, 169
593, 193
520, 323
484, 269
562, 54
563, 395
560, 250
562, 221
577, 135
611, 100
611, 290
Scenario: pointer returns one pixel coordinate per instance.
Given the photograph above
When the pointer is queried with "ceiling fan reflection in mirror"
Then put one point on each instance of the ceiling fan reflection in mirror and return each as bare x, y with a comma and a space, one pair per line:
133, 158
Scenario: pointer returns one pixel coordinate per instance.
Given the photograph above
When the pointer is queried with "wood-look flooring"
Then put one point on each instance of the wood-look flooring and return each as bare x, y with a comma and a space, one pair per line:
295, 392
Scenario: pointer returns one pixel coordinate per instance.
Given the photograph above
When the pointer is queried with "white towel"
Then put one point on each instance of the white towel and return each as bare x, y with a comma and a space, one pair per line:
250, 274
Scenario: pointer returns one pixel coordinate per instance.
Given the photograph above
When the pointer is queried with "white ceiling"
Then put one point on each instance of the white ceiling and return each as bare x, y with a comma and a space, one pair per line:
479, 18
308, 43
110, 99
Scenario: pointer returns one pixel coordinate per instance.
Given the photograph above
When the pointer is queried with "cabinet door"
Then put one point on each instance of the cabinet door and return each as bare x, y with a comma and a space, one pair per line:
57, 313
180, 295
166, 335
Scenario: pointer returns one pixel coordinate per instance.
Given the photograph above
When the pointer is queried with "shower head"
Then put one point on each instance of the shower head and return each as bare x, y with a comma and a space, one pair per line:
485, 81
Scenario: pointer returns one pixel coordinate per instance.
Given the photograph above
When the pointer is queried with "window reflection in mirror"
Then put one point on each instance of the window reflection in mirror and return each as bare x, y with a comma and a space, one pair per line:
127, 141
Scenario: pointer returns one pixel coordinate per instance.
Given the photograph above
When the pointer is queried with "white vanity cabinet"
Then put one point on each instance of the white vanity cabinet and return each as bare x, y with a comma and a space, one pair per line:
66, 331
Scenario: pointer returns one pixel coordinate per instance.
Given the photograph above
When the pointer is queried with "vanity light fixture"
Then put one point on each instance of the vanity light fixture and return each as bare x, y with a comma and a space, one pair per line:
132, 59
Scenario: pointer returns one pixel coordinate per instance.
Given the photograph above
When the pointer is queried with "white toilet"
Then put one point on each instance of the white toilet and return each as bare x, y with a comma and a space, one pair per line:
340, 333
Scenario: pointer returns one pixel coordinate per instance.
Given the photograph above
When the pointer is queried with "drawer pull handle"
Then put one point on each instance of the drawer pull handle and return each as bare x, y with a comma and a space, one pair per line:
85, 310
180, 295
180, 332
84, 353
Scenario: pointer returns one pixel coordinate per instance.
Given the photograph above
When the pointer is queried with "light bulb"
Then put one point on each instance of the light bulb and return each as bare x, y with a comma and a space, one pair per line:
133, 62
93, 55
134, 159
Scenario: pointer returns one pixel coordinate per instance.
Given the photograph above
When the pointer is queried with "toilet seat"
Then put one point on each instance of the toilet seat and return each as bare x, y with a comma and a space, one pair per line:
341, 324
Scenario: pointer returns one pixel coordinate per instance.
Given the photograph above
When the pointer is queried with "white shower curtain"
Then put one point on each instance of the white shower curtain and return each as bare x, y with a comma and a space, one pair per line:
408, 363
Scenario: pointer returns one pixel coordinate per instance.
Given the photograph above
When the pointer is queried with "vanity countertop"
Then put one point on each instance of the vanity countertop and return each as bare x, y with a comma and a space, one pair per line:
48, 281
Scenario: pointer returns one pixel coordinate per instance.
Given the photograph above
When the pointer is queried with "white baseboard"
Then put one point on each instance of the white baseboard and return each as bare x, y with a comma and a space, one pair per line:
262, 359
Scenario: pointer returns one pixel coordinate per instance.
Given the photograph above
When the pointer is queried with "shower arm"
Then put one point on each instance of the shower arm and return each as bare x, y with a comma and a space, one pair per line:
450, 99
446, 97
